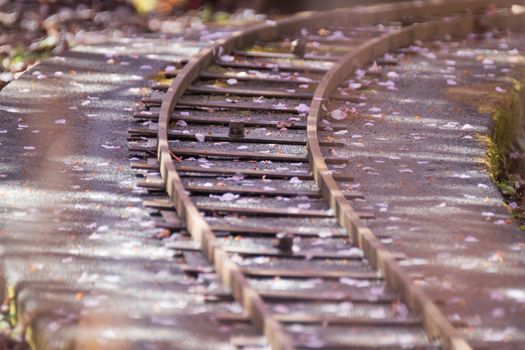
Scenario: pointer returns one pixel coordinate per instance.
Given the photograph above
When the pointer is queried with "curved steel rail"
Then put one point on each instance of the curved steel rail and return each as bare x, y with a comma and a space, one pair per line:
435, 323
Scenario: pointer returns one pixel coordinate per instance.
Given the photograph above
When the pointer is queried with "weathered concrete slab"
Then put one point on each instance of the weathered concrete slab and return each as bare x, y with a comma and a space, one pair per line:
78, 257
417, 153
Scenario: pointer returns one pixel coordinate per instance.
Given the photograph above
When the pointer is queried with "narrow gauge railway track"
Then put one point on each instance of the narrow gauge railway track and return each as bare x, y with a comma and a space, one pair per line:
235, 141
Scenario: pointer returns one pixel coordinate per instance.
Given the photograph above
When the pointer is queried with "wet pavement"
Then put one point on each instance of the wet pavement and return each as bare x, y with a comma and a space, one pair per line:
81, 267
79, 261
417, 147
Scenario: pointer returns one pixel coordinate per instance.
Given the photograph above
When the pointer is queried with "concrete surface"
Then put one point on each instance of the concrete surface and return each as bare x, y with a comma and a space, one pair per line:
417, 153
77, 248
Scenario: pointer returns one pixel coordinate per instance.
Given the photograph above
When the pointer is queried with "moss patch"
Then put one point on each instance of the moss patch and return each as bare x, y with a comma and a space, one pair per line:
507, 127
508, 117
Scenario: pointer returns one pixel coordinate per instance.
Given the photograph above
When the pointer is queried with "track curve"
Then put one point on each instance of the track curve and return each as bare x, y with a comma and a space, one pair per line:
415, 26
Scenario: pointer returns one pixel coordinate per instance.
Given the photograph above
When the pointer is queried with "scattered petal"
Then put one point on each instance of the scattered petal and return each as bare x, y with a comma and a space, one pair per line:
462, 176
338, 114
356, 252
302, 108
375, 68
200, 137
392, 75
429, 55
498, 312
110, 146
360, 73
94, 236
228, 197
295, 180
227, 58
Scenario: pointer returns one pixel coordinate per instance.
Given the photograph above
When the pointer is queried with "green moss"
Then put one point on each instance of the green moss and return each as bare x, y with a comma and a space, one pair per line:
506, 187
221, 17
30, 339
206, 14
11, 328
498, 143
19, 58
12, 305
507, 116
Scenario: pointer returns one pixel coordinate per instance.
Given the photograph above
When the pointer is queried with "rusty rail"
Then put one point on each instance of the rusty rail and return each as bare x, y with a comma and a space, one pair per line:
435, 323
